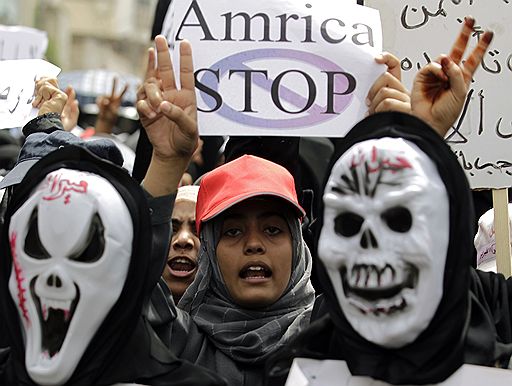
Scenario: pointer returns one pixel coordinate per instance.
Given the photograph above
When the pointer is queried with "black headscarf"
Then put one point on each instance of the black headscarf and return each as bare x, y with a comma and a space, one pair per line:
439, 350
125, 348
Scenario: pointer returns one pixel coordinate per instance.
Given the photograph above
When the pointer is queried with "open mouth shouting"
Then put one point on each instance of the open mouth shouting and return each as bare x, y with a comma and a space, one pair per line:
55, 316
378, 290
255, 272
181, 266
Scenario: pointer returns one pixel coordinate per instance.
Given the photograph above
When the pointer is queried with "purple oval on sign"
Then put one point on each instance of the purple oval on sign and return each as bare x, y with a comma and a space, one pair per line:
314, 115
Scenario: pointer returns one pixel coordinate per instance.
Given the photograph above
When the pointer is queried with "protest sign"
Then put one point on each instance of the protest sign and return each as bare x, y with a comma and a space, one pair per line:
417, 31
278, 68
22, 43
17, 86
312, 372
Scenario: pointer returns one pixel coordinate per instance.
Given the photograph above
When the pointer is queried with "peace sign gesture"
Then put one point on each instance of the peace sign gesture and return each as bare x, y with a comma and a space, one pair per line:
108, 106
169, 116
439, 89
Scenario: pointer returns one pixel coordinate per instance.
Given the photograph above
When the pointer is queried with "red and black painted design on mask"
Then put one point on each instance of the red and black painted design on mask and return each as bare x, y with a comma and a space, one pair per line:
19, 278
59, 187
366, 173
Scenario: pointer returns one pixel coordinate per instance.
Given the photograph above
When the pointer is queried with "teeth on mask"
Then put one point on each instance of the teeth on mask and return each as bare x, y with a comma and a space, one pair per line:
181, 260
372, 278
256, 269
386, 277
45, 312
46, 304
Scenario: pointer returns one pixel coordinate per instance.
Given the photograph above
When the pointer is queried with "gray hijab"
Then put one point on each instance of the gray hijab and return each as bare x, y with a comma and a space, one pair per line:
248, 335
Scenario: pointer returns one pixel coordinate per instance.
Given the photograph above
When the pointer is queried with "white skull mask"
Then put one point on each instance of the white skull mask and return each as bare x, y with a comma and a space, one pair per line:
71, 244
385, 238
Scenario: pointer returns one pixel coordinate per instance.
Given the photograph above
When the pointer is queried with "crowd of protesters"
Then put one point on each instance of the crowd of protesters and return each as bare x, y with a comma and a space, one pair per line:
165, 265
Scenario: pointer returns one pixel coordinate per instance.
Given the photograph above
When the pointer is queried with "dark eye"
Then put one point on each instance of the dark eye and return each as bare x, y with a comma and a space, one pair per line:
272, 231
94, 245
232, 232
175, 227
33, 246
398, 218
348, 224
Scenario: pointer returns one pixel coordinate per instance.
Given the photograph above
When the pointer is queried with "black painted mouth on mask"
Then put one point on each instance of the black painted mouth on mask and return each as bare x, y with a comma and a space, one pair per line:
54, 319
376, 289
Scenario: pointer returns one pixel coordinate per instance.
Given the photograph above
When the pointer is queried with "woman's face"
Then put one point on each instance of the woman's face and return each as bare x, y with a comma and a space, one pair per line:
254, 252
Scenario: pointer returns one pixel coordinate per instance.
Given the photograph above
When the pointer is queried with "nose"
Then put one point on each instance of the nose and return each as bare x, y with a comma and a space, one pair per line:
54, 281
368, 240
253, 243
183, 240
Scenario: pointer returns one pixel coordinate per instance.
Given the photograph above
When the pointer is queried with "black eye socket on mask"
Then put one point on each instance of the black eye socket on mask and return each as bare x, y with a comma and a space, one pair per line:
33, 246
94, 245
348, 224
398, 219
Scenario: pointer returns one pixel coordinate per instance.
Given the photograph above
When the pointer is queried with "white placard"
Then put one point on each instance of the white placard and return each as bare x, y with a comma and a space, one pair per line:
313, 372
418, 31
22, 43
279, 67
17, 86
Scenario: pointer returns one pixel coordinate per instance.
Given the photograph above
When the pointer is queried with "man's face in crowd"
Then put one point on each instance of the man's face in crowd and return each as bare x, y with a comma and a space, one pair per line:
254, 252
182, 261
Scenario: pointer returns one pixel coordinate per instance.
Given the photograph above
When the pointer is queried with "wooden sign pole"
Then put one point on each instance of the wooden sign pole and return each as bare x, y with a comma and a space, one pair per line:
502, 235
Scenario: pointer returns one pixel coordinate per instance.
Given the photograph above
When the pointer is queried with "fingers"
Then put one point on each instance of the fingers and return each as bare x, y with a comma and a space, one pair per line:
462, 40
385, 80
475, 58
38, 85
389, 99
70, 92
392, 62
186, 66
52, 99
458, 85
164, 64
151, 65
125, 88
393, 105
187, 125
153, 95
144, 109
114, 86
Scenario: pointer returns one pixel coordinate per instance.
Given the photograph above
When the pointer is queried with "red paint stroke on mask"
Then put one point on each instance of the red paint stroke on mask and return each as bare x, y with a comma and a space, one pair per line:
18, 272
59, 187
379, 162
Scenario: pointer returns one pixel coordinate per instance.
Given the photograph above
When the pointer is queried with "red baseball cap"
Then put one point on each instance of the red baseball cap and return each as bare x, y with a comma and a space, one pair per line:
245, 177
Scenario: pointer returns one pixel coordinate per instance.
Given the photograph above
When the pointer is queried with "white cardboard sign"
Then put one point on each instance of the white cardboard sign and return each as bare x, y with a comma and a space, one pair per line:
313, 372
17, 86
417, 31
22, 43
279, 67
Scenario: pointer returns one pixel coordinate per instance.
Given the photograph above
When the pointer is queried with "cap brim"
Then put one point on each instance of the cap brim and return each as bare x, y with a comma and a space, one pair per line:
15, 176
239, 198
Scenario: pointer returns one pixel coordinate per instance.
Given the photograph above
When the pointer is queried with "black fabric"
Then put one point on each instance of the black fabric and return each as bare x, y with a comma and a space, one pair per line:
46, 123
462, 329
124, 349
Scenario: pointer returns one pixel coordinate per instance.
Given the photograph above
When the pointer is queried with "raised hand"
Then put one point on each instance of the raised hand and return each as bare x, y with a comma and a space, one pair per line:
48, 97
108, 106
388, 93
440, 88
70, 113
169, 116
